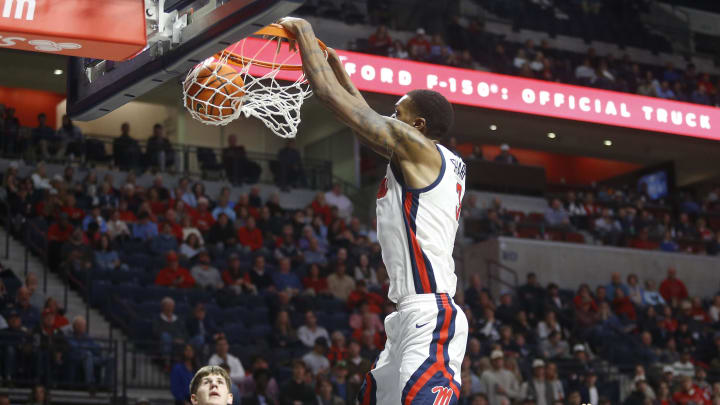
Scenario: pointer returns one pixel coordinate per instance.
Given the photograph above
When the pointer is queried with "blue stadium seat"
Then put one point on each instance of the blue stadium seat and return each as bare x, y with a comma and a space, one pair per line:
258, 316
236, 333
99, 292
259, 333
236, 314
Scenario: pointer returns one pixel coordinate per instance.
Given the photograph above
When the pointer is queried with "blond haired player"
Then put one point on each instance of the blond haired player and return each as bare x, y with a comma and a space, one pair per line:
211, 386
418, 208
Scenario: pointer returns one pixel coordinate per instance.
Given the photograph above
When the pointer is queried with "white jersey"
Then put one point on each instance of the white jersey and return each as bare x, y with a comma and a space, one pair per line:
416, 229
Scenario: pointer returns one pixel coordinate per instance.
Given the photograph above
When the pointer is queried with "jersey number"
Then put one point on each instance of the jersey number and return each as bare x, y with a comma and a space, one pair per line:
459, 206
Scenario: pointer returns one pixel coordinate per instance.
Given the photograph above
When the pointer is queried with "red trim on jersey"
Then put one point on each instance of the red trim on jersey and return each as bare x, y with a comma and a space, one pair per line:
416, 251
439, 364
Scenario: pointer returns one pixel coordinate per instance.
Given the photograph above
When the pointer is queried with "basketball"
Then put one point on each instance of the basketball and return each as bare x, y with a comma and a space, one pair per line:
213, 91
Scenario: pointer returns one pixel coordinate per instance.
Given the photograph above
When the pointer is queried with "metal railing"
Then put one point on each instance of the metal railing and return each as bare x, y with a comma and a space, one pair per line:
67, 363
498, 274
188, 160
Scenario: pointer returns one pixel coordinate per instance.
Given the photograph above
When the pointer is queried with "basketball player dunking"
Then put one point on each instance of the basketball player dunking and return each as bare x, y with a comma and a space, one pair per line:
418, 207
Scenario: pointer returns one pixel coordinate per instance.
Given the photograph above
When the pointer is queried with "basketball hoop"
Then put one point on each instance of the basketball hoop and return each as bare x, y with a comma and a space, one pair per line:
244, 80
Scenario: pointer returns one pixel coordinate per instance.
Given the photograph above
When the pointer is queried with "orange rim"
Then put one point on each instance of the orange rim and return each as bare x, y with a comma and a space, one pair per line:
272, 30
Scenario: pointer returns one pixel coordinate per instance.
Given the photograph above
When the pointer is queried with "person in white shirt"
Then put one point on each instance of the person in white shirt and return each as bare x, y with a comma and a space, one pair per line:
651, 296
537, 388
714, 311
316, 360
222, 355
336, 198
40, 179
310, 331
684, 367
585, 72
501, 384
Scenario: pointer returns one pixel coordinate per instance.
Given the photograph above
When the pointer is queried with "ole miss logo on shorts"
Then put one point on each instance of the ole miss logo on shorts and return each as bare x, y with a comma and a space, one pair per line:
443, 395
383, 189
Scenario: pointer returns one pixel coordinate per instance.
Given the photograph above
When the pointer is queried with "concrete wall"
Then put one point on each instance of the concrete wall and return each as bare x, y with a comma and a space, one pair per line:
569, 265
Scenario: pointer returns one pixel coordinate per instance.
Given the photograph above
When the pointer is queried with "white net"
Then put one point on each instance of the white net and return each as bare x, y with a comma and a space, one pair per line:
222, 88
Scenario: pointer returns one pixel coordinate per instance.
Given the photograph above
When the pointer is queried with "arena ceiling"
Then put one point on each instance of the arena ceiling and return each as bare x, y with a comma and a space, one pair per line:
696, 159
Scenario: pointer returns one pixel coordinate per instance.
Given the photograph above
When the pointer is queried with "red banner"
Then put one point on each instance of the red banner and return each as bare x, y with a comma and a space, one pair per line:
488, 90
112, 30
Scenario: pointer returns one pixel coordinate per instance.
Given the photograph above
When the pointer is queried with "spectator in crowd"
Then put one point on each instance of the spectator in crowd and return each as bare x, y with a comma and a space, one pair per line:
259, 275
537, 389
200, 328
182, 374
173, 275
39, 178
615, 284
39, 396
310, 331
554, 347
297, 391
290, 172
159, 152
556, 386
589, 391
501, 384
50, 354
126, 149
398, 51
556, 215
418, 46
17, 350
339, 283
327, 396
42, 135
191, 247
168, 328
29, 315
336, 198
145, 229
87, 354
205, 275
380, 41
238, 168
505, 156
72, 139
223, 356
165, 241
672, 289
285, 280
316, 360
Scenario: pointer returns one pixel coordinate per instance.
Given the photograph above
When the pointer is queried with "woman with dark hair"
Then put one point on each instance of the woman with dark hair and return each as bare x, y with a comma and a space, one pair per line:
181, 375
60, 322
191, 247
107, 258
284, 334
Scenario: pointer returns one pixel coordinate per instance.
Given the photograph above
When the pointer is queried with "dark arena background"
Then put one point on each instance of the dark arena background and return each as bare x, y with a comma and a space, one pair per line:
139, 245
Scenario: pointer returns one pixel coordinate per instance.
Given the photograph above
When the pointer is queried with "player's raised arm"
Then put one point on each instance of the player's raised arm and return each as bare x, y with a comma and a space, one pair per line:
387, 136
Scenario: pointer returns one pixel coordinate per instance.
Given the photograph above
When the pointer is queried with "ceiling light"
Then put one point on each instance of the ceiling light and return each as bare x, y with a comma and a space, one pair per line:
551, 135
493, 127
607, 142
58, 72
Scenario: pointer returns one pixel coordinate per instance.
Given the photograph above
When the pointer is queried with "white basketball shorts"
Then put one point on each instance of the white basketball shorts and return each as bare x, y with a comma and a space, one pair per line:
426, 339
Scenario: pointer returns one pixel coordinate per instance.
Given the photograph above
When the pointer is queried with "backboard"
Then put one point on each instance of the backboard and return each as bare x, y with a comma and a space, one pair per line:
180, 34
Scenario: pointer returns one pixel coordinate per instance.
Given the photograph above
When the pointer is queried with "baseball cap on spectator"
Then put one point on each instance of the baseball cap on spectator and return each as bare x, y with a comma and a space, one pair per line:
47, 311
505, 292
14, 165
234, 256
504, 147
668, 369
58, 177
171, 256
203, 200
142, 401
420, 31
578, 348
496, 354
538, 363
